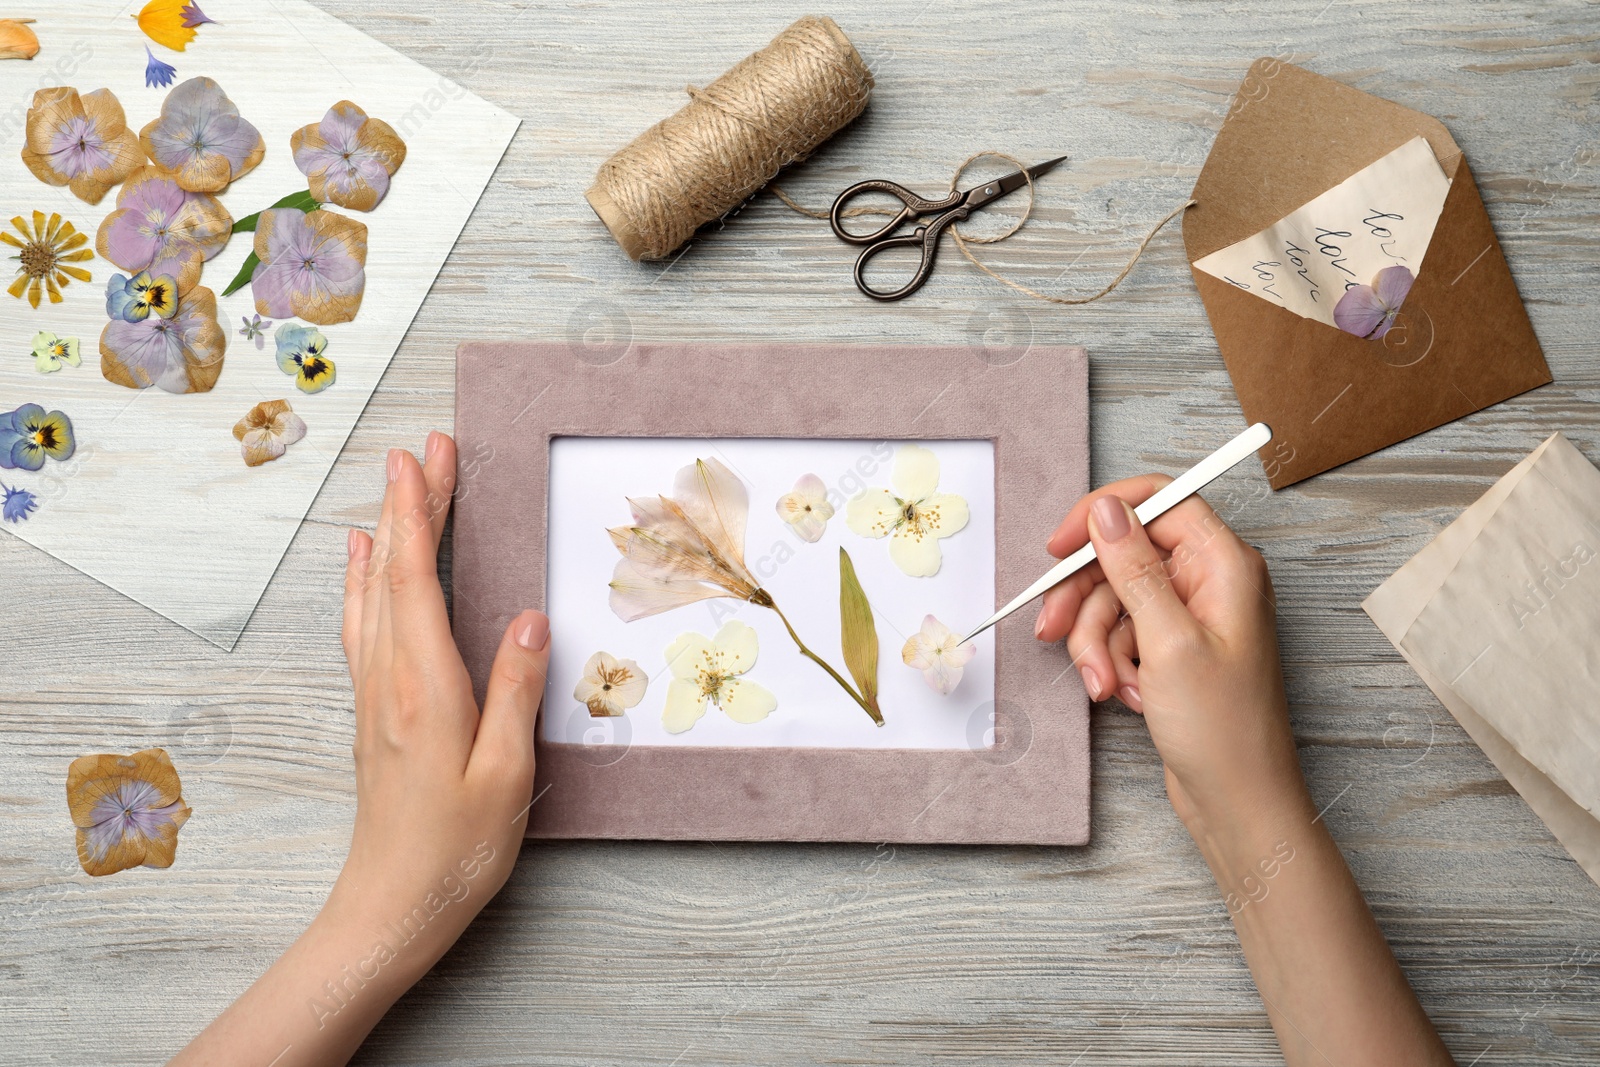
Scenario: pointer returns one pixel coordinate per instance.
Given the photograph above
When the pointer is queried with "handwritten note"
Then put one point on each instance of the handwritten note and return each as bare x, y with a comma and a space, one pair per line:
1381, 216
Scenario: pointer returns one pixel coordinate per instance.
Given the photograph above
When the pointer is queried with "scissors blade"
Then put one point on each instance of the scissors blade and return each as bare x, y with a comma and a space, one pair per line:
1164, 499
1010, 183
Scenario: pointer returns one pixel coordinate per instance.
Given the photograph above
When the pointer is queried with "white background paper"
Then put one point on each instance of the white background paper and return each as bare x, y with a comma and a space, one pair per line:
589, 481
157, 503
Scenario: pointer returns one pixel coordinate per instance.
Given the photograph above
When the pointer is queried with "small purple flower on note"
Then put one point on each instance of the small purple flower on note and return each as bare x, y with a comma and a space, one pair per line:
1369, 310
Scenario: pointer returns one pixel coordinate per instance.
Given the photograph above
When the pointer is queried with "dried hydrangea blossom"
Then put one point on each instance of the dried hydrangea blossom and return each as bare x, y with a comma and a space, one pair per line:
202, 139
82, 142
182, 354
127, 810
347, 157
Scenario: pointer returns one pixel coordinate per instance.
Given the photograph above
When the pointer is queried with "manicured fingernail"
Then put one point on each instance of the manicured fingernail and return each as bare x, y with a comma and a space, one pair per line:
1130, 697
350, 543
1091, 682
432, 446
394, 464
1110, 517
1038, 625
534, 632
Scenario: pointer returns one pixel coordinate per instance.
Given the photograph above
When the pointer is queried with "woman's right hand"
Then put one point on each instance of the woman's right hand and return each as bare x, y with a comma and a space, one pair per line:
1179, 622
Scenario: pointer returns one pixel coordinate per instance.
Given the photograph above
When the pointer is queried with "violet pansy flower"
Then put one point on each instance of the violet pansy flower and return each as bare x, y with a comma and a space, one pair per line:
202, 139
160, 228
181, 354
127, 810
348, 157
313, 265
30, 435
137, 298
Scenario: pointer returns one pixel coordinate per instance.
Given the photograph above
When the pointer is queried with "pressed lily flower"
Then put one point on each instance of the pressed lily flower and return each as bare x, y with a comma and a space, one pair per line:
1370, 310
267, 431
30, 435
706, 670
16, 40
136, 299
50, 352
48, 253
610, 686
127, 810
690, 547
17, 504
255, 328
201, 138
166, 22
938, 654
806, 509
313, 265
301, 353
181, 354
82, 142
914, 517
348, 157
157, 75
160, 228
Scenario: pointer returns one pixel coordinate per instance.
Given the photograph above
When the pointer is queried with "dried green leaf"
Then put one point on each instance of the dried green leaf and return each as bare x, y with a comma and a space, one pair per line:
857, 633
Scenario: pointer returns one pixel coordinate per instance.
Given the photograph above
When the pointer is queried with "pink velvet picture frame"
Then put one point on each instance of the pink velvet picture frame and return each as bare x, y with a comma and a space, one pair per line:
1031, 786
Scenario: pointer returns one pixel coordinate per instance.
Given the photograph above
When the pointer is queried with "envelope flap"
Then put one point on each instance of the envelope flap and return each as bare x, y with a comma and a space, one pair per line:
1289, 137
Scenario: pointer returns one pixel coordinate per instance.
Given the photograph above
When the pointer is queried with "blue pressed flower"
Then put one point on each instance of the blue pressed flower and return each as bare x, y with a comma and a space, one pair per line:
156, 73
29, 436
17, 503
301, 353
136, 299
193, 16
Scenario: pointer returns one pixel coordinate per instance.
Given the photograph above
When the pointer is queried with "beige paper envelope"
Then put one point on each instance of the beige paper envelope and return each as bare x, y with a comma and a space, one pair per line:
1396, 605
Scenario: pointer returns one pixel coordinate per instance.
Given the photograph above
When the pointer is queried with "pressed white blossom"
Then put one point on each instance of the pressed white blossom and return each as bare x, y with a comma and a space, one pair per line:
939, 654
915, 516
706, 670
806, 508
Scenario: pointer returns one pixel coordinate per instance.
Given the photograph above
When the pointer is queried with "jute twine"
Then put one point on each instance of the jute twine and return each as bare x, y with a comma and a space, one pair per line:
770, 109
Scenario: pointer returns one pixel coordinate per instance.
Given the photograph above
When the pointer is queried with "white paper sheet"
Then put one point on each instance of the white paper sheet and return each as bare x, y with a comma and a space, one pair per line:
1381, 216
157, 502
589, 481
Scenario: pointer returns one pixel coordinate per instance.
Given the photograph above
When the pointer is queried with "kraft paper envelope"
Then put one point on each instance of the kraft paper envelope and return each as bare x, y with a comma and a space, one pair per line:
1419, 589
1463, 340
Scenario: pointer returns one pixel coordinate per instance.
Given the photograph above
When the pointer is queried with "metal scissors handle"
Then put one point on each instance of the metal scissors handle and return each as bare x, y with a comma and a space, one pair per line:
944, 212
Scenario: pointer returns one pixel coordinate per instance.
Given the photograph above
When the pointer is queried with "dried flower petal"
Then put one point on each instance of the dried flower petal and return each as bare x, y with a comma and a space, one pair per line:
161, 228
267, 431
48, 252
30, 435
82, 142
50, 352
313, 266
164, 22
201, 138
939, 654
17, 505
182, 354
157, 75
806, 508
347, 157
610, 686
706, 670
17, 41
914, 517
127, 810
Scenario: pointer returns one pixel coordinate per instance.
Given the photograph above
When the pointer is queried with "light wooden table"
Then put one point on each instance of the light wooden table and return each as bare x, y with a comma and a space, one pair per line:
1117, 953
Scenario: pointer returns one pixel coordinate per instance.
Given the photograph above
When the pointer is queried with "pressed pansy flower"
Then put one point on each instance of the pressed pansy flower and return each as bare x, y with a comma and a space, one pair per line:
170, 23
267, 431
313, 265
938, 654
163, 229
49, 251
706, 670
30, 435
157, 75
348, 157
806, 508
17, 41
255, 328
610, 686
50, 352
127, 810
82, 142
181, 354
17, 503
914, 517
301, 353
137, 298
202, 139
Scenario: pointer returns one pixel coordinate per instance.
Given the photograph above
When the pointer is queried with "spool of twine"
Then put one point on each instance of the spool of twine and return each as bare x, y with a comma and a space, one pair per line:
771, 109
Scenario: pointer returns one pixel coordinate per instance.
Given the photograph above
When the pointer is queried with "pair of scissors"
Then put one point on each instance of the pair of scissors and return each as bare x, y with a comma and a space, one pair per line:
1163, 500
951, 209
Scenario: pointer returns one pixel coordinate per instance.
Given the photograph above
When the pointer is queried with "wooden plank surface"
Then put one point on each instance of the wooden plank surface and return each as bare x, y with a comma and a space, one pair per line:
1117, 953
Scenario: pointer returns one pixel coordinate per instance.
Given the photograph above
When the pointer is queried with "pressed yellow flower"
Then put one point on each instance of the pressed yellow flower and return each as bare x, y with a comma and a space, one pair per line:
16, 40
166, 22
48, 252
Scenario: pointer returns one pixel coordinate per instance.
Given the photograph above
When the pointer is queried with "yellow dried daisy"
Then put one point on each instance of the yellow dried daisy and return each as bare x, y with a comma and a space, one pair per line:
48, 252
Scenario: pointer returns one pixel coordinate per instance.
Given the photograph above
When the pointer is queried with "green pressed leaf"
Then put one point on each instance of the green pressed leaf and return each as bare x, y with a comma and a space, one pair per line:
857, 633
240, 280
302, 200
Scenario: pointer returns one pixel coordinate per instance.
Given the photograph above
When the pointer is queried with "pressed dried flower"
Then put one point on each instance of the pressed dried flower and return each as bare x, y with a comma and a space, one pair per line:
17, 41
30, 435
939, 654
806, 508
164, 229
313, 266
49, 251
168, 24
348, 158
141, 296
17, 503
610, 686
705, 670
50, 352
82, 142
255, 328
181, 354
267, 431
157, 74
202, 139
915, 517
127, 810
302, 352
